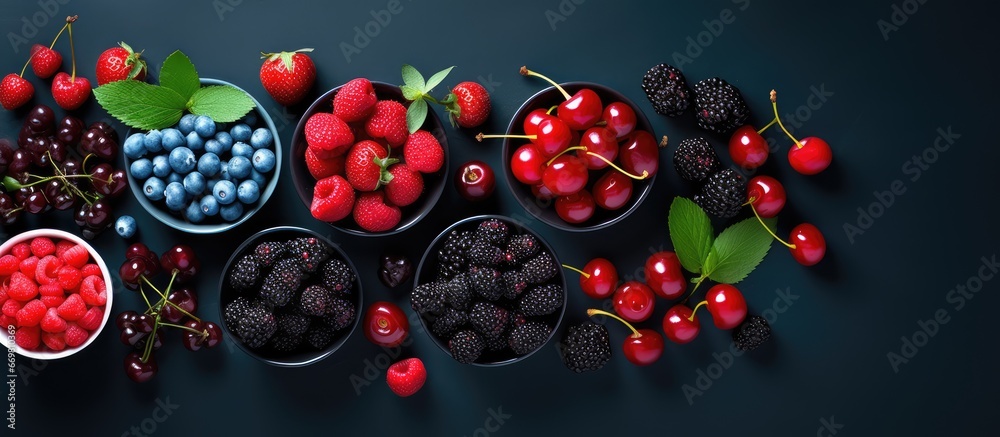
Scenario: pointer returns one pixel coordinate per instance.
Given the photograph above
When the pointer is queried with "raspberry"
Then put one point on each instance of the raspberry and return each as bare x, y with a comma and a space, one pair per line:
28, 337
76, 256
51, 322
11, 307
91, 270
94, 291
73, 308
52, 301
92, 319
45, 271
8, 264
76, 336
56, 342
29, 265
42, 246
7, 321
31, 314
62, 246
51, 290
3, 293
21, 250
69, 277
21, 287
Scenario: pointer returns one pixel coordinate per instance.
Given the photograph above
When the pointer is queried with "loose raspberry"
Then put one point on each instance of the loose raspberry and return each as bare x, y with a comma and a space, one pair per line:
45, 271
51, 290
42, 246
21, 251
62, 246
75, 335
92, 319
28, 337
91, 270
8, 264
51, 322
11, 307
52, 301
3, 292
21, 287
29, 265
94, 291
69, 277
7, 321
73, 308
56, 342
76, 256
31, 314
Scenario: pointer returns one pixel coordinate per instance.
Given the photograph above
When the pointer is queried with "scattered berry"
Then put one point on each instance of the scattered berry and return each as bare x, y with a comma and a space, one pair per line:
406, 377
667, 90
719, 106
723, 194
586, 347
695, 159
287, 76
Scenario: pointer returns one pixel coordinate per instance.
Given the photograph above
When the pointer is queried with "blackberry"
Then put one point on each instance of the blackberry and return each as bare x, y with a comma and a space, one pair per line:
283, 342
586, 347
723, 194
338, 276
319, 337
292, 323
695, 159
513, 283
494, 232
496, 344
528, 337
466, 346
542, 300
451, 256
428, 298
256, 326
540, 269
489, 319
520, 248
309, 252
482, 253
340, 314
719, 106
449, 322
457, 293
485, 282
268, 253
667, 90
235, 310
315, 300
245, 273
753, 332
282, 283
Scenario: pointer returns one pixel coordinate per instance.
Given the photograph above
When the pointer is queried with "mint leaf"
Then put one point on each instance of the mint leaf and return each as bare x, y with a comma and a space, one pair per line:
141, 105
437, 78
416, 114
178, 74
412, 77
690, 232
737, 251
411, 93
222, 103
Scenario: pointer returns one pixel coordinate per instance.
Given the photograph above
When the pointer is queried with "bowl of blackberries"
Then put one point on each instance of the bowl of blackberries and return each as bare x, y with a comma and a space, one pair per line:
490, 291
289, 297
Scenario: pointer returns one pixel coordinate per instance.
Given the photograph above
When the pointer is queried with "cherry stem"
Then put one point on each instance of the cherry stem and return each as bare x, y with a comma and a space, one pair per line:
564, 151
552, 108
663, 141
56, 39
480, 137
592, 312
761, 130
151, 339
581, 272
72, 48
526, 72
186, 328
749, 201
143, 293
769, 231
695, 310
774, 105
696, 285
645, 174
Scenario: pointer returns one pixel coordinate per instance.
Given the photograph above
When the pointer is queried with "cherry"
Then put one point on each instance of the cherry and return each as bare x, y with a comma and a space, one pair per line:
598, 278
640, 153
643, 347
576, 208
40, 122
126, 319
664, 275
385, 324
475, 181
766, 195
581, 110
131, 272
138, 370
191, 340
182, 260
808, 245
214, 337
726, 304
812, 155
748, 148
6, 155
619, 118
679, 325
183, 298
601, 141
527, 164
533, 119
70, 131
394, 269
551, 137
542, 193
612, 190
634, 301
565, 175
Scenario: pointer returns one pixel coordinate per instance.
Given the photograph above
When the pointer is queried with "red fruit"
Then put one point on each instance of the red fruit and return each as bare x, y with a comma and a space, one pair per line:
811, 156
15, 91
406, 377
634, 301
69, 277
55, 342
42, 246
385, 324
70, 92
581, 110
600, 141
664, 275
52, 301
528, 164
31, 313
373, 215
92, 319
327, 135
53, 290
619, 118
405, 186
28, 337
810, 246
21, 288
472, 104
62, 246
21, 250
566, 175
287, 76
45, 272
94, 291
11, 307
767, 195
639, 153
679, 326
333, 199
612, 191
355, 100
44, 61
8, 264
747, 148
91, 270
644, 348
599, 278
29, 266
552, 136
475, 181
423, 152
576, 208
365, 165
533, 119
120, 63
51, 322
76, 336
388, 121
727, 306
73, 308
76, 256
323, 168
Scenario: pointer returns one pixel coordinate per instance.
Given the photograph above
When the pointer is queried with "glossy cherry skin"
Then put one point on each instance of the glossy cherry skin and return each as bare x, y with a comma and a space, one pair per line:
542, 193
552, 137
727, 306
639, 152
533, 119
619, 118
810, 246
664, 275
566, 175
582, 110
603, 277
747, 148
475, 181
576, 208
527, 164
813, 156
386, 324
767, 195
677, 326
182, 259
183, 298
634, 301
644, 349
612, 190
138, 371
601, 141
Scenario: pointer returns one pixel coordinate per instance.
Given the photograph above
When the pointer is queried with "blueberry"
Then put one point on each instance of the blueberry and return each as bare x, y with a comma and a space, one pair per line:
193, 212
224, 192
242, 149
194, 142
240, 132
225, 139
182, 160
261, 138
231, 213
141, 168
194, 183
209, 206
259, 178
263, 160
204, 126
134, 147
153, 188
224, 171
161, 166
174, 177
186, 125
209, 164
125, 226
153, 141
248, 192
214, 146
250, 118
175, 196
172, 139
239, 167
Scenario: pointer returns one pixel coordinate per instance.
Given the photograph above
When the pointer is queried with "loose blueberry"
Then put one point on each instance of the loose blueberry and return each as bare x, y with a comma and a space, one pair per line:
174, 177
125, 226
250, 118
134, 147
259, 178
161, 166
171, 139
241, 132
186, 125
194, 183
224, 192
153, 188
141, 168
193, 212
263, 160
239, 167
231, 213
214, 146
204, 126
224, 171
242, 149
248, 192
209, 164
175, 196
225, 139
182, 160
209, 206
194, 142
153, 141
261, 138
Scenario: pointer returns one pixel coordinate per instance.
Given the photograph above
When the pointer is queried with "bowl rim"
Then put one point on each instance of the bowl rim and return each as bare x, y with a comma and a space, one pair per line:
642, 122
321, 355
305, 196
60, 234
167, 218
425, 259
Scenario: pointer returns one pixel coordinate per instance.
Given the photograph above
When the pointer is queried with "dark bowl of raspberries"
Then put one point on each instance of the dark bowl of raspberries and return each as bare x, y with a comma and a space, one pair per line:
490, 291
289, 297
356, 166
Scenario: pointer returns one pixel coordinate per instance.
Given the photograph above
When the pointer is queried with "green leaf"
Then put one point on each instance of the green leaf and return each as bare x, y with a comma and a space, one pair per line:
286, 58
412, 77
222, 103
437, 78
178, 74
141, 105
411, 93
416, 114
690, 232
11, 184
737, 251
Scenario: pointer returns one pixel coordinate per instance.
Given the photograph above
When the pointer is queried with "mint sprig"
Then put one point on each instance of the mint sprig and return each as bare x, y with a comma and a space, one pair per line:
417, 90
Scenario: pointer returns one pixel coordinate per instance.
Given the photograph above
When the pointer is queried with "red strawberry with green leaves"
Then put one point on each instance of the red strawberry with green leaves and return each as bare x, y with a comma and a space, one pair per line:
327, 135
355, 100
287, 76
321, 168
422, 152
15, 91
333, 199
389, 122
468, 104
405, 186
120, 63
366, 165
45, 61
373, 214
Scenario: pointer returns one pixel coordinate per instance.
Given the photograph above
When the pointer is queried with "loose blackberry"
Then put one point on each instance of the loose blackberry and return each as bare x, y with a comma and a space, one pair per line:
449, 322
268, 253
719, 106
586, 347
723, 194
315, 300
457, 293
338, 277
485, 282
494, 232
753, 332
541, 300
256, 326
540, 269
285, 343
695, 159
282, 283
428, 298
482, 253
292, 323
340, 314
489, 319
667, 90
528, 337
520, 248
466, 346
235, 310
319, 337
245, 273
310, 252
513, 284
451, 256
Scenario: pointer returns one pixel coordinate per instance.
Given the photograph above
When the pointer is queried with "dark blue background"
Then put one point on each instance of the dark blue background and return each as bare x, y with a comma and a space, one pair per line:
828, 361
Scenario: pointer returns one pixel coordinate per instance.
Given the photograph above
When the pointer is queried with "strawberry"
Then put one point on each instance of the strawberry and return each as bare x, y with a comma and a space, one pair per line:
327, 135
120, 63
15, 91
389, 122
333, 199
372, 213
365, 165
423, 152
355, 100
321, 168
44, 61
406, 377
287, 76
70, 92
470, 105
405, 185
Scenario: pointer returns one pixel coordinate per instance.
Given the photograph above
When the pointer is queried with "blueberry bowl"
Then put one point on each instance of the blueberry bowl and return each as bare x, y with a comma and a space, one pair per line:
544, 207
322, 335
536, 300
250, 147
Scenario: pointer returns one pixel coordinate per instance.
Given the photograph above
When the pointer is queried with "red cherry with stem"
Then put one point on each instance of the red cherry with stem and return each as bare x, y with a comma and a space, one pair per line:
748, 148
385, 324
528, 164
565, 175
576, 208
533, 119
612, 190
598, 278
542, 193
634, 301
69, 90
138, 370
581, 110
811, 156
664, 275
643, 347
601, 141
767, 195
726, 304
183, 298
181, 258
619, 118
15, 91
192, 337
475, 181
214, 336
44, 61
551, 137
679, 326
639, 153
809, 244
